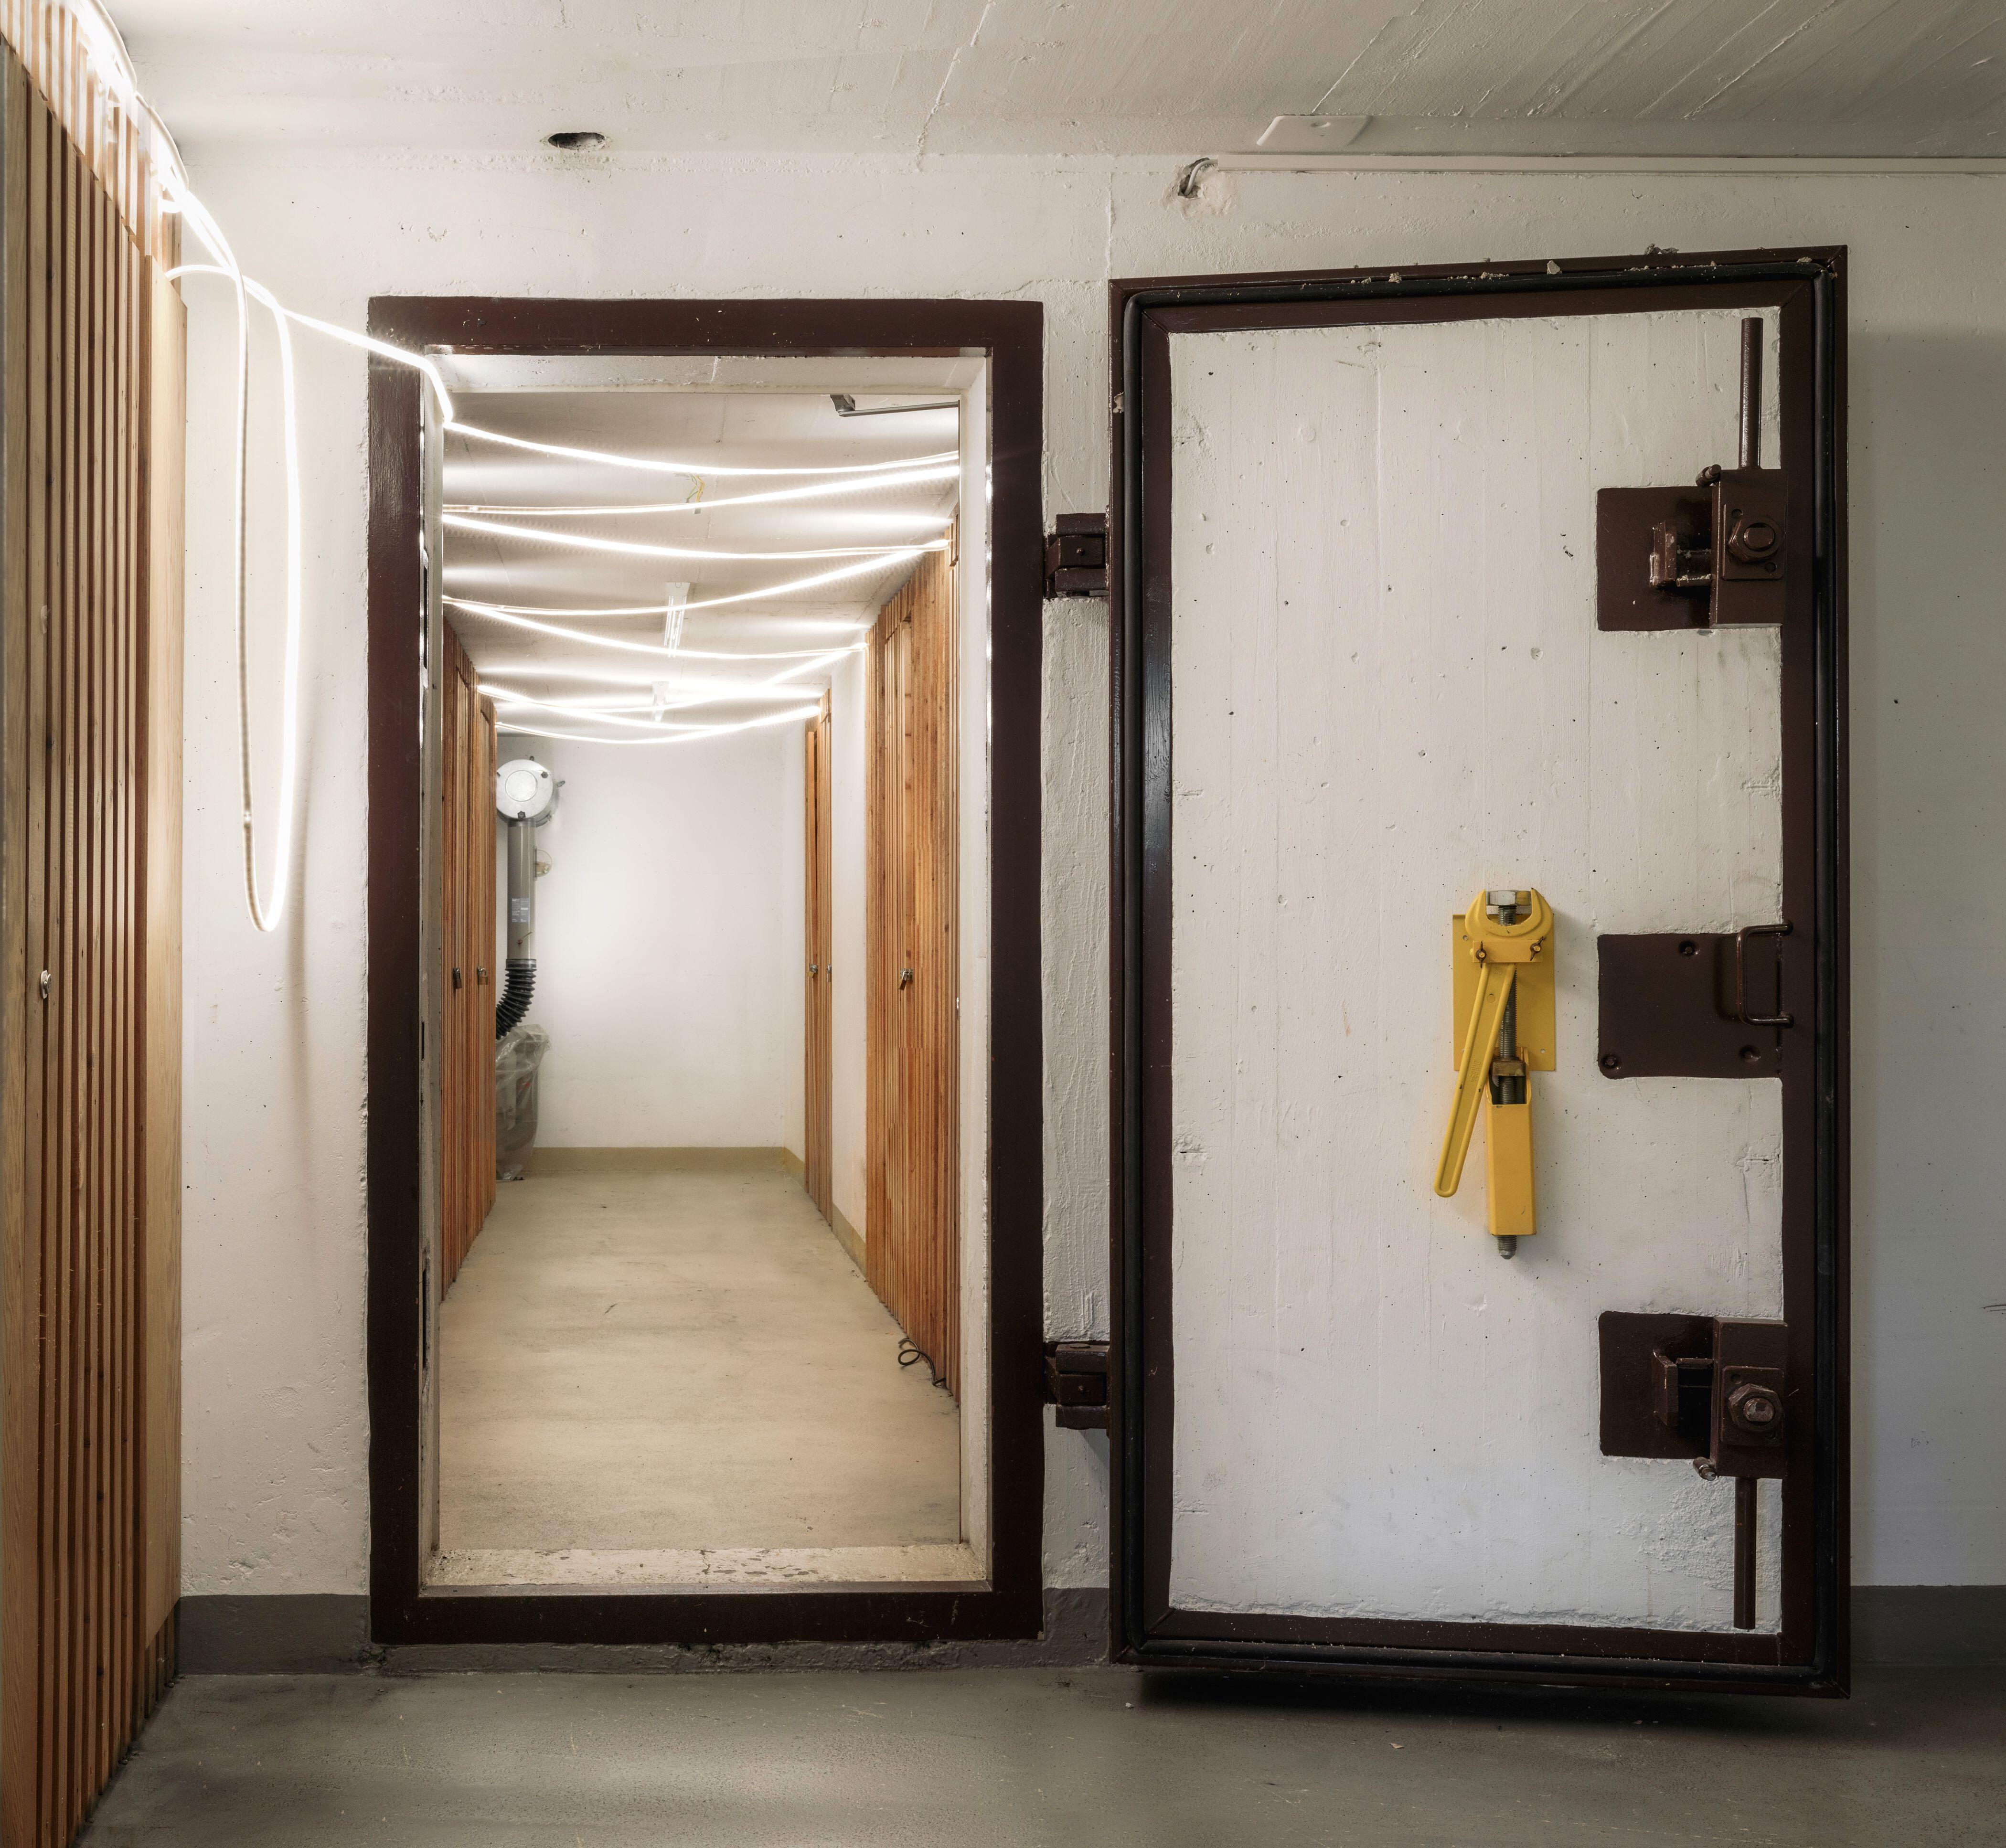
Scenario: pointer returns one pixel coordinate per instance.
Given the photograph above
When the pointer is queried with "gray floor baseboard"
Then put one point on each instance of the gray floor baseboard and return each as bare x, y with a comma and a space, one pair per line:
292, 1633
1929, 1626
1894, 1626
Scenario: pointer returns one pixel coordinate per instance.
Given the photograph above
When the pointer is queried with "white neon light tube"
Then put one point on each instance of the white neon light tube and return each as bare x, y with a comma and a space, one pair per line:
798, 714
866, 484
718, 469
585, 542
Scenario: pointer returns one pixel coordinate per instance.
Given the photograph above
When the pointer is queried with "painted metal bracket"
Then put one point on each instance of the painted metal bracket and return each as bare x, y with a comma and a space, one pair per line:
1076, 1383
1712, 554
1709, 1389
1683, 1004
1076, 556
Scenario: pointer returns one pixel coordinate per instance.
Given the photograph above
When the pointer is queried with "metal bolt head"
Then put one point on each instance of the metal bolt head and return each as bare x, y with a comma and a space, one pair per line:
1755, 1409
1754, 538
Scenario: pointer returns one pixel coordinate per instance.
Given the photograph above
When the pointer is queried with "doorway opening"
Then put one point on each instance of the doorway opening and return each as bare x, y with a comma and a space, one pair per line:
717, 1289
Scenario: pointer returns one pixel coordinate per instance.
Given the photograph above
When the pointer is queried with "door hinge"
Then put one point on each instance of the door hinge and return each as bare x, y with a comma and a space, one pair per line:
1076, 1383
1076, 556
1682, 1004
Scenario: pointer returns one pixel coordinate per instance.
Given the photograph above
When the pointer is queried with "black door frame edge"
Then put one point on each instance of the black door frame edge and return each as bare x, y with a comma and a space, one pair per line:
1474, 1653
403, 1609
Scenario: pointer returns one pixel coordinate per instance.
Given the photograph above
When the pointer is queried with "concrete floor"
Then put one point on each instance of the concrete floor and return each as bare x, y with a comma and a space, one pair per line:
979, 1757
679, 1376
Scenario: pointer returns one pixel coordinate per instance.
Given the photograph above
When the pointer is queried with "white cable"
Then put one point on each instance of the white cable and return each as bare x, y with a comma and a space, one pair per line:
498, 613
712, 692
910, 477
691, 468
742, 596
572, 709
416, 361
547, 671
530, 731
266, 917
586, 542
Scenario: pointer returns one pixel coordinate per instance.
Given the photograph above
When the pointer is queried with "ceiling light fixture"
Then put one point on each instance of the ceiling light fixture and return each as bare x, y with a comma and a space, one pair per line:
585, 542
690, 469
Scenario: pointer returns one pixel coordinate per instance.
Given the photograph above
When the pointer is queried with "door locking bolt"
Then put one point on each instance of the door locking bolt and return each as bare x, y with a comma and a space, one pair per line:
1756, 1409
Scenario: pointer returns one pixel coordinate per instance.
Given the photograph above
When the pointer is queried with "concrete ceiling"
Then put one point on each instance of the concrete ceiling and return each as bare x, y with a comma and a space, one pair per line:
913, 77
743, 428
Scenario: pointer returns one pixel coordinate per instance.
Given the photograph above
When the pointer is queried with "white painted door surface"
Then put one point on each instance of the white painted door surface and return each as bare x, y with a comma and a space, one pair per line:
1389, 691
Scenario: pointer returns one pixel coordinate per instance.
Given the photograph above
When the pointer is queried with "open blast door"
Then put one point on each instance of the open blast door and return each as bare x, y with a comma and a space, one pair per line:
1480, 1037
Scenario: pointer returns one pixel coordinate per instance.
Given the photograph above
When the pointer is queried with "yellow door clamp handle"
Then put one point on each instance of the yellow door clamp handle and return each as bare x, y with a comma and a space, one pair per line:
1502, 950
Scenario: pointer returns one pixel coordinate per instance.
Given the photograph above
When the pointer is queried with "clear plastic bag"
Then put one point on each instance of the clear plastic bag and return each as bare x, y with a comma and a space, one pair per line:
518, 1054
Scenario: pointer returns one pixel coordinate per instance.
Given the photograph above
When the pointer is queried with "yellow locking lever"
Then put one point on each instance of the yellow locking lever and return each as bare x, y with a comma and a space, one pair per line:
1504, 990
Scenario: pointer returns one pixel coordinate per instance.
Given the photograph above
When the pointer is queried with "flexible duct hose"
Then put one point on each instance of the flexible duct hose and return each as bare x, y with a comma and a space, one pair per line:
515, 1002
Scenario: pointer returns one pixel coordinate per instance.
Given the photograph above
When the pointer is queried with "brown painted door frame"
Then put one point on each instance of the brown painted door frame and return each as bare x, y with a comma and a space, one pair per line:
819, 992
1809, 1653
1010, 334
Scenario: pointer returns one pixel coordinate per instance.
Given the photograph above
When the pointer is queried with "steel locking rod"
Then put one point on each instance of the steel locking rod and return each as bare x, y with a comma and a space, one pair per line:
1744, 1552
1751, 392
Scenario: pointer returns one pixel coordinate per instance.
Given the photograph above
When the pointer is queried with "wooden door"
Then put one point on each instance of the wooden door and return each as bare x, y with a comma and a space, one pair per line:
466, 985
90, 797
820, 991
912, 983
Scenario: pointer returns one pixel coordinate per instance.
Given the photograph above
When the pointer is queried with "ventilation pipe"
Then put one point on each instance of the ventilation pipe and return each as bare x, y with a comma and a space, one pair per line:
525, 795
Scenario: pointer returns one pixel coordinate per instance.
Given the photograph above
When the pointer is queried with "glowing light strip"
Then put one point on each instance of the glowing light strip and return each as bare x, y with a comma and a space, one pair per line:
799, 714
691, 470
742, 596
752, 689
416, 361
910, 477
501, 614
717, 693
586, 542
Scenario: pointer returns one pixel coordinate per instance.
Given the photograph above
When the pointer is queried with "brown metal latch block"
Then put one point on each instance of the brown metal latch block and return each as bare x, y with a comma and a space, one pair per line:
1076, 556
1711, 1390
1676, 558
1687, 1004
1076, 1383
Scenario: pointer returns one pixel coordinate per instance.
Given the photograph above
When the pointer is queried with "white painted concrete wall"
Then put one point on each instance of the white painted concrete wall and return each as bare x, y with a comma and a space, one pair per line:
667, 930
277, 1433
1376, 1416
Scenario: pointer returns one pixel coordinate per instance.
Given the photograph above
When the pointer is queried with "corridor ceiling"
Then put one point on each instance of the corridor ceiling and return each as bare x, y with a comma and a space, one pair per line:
771, 429
910, 78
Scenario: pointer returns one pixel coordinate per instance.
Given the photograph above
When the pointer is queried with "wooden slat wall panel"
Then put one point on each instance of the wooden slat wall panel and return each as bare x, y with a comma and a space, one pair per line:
911, 1137
89, 919
466, 1093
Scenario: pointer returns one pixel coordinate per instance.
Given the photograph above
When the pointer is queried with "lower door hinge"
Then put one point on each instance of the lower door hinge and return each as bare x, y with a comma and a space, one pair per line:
1076, 1383
1076, 556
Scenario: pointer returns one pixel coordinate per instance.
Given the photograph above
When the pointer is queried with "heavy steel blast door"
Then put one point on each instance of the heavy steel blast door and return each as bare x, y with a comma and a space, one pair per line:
1480, 1038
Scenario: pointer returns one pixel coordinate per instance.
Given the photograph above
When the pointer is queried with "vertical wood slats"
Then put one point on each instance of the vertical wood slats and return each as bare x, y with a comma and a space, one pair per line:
469, 984
118, 149
89, 893
912, 1104
820, 935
